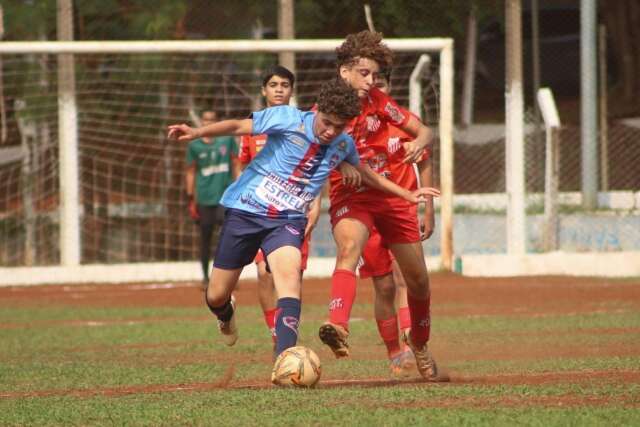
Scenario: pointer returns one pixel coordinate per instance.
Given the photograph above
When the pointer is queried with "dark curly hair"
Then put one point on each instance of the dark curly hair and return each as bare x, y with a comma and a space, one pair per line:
337, 97
280, 71
365, 44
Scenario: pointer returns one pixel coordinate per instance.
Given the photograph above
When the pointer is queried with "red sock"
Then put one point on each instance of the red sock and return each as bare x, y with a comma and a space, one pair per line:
343, 293
404, 318
388, 329
420, 320
270, 320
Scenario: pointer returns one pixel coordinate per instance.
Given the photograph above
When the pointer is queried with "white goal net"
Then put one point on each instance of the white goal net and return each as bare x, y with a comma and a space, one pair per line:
87, 176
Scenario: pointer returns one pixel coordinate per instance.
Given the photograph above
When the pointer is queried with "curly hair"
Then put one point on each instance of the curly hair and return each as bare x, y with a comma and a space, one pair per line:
365, 44
337, 97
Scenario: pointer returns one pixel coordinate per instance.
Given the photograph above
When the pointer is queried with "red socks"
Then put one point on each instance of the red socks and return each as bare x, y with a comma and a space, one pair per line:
388, 329
420, 320
404, 318
270, 320
343, 294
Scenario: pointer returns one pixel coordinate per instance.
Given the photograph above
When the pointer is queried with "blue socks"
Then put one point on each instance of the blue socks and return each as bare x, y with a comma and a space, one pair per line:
287, 319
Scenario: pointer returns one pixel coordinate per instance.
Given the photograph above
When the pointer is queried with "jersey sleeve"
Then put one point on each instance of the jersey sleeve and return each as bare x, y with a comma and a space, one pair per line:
275, 119
388, 108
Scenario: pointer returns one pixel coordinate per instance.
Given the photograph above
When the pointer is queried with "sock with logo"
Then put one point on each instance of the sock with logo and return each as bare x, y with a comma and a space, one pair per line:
343, 294
420, 320
287, 319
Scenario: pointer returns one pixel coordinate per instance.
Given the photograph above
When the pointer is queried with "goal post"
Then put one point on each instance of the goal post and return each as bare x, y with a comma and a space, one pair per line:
96, 155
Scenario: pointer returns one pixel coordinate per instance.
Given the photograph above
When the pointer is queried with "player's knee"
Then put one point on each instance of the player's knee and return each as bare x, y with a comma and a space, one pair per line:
386, 290
348, 248
417, 279
215, 299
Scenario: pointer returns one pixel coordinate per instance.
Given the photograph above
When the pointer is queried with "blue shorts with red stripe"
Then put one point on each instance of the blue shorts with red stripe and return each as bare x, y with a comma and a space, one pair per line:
243, 233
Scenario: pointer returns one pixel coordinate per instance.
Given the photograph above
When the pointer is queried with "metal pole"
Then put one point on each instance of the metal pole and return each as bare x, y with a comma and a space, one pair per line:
588, 103
535, 61
604, 111
68, 144
552, 124
514, 138
469, 69
415, 85
286, 30
446, 156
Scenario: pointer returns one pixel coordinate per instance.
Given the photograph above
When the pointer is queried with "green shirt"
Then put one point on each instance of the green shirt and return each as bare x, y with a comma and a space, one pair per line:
213, 167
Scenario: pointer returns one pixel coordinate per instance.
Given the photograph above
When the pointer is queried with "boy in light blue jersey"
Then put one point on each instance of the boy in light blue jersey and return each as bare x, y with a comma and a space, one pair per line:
266, 206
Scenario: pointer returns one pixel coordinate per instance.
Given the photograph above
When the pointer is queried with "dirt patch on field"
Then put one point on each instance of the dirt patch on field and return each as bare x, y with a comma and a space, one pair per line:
452, 294
226, 382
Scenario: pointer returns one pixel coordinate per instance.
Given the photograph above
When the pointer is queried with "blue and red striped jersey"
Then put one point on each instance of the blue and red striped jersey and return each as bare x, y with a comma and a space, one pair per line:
289, 172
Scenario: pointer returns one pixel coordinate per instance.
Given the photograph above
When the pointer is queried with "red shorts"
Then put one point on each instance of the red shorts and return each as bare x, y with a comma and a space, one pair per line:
304, 251
376, 258
396, 222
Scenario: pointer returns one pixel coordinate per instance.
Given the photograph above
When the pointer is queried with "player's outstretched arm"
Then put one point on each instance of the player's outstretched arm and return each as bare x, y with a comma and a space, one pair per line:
372, 179
423, 139
185, 133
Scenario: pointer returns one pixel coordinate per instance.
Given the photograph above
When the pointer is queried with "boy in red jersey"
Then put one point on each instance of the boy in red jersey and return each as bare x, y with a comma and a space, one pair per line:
277, 87
355, 212
378, 262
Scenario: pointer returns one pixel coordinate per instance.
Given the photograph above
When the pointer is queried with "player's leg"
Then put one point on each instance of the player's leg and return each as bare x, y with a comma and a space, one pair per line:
410, 258
376, 263
238, 244
282, 248
207, 225
404, 317
407, 358
398, 226
284, 263
266, 294
386, 320
350, 235
220, 301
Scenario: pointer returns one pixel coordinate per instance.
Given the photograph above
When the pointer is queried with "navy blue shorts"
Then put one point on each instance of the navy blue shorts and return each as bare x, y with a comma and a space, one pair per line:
243, 233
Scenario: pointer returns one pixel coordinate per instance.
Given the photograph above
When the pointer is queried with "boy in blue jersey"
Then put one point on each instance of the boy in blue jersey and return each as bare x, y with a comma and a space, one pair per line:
266, 206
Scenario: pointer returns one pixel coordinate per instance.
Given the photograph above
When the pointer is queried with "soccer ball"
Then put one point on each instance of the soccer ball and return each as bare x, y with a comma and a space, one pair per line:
297, 366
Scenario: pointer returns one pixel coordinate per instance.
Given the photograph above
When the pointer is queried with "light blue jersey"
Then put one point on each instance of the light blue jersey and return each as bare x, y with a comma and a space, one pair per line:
289, 172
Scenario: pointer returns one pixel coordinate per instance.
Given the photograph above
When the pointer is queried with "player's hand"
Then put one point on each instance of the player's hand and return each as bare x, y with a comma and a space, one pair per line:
182, 133
193, 210
350, 175
413, 151
420, 195
312, 217
427, 224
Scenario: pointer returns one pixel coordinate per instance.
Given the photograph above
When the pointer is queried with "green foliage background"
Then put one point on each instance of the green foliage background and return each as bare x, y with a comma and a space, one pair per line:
170, 19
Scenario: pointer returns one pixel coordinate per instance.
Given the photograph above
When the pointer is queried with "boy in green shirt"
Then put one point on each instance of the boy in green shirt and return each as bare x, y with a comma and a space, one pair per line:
211, 166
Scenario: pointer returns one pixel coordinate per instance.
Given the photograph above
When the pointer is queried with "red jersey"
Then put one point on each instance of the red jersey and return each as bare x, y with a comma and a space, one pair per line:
250, 146
370, 131
387, 160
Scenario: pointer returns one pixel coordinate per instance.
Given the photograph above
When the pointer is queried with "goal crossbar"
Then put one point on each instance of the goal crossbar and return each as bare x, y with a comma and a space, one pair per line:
170, 46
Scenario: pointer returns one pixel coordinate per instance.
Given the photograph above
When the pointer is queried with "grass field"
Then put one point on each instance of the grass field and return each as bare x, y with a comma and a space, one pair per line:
529, 351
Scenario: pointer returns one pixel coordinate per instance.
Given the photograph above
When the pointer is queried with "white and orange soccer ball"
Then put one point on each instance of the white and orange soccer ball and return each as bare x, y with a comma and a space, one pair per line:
297, 366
